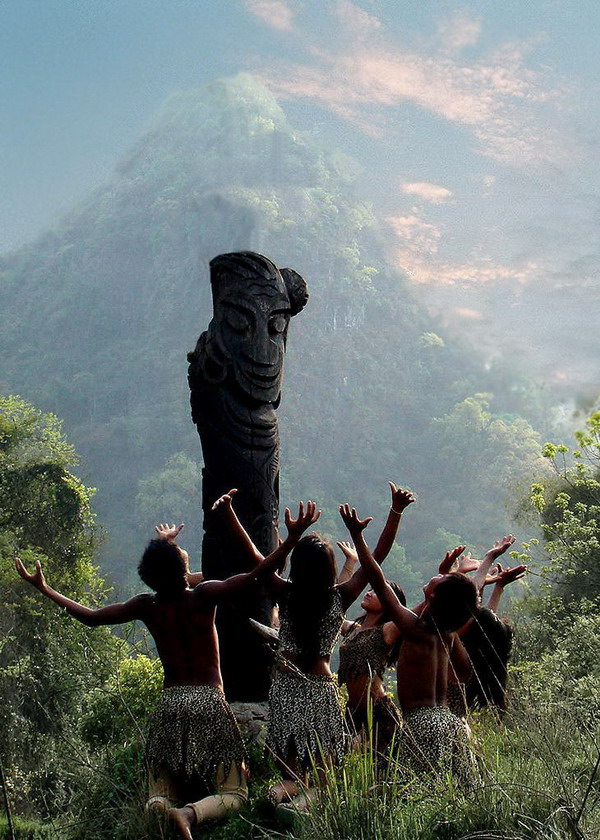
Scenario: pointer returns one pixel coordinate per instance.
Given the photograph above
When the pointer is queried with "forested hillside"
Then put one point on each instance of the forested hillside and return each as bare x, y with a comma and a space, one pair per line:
97, 316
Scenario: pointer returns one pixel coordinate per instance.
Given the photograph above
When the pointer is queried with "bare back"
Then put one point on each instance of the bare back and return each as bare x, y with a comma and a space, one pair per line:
423, 668
183, 628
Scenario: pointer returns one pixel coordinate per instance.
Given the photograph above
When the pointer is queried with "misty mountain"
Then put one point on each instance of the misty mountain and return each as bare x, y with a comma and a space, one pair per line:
98, 314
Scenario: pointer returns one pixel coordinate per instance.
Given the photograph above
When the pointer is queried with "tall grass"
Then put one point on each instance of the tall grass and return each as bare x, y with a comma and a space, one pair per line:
539, 780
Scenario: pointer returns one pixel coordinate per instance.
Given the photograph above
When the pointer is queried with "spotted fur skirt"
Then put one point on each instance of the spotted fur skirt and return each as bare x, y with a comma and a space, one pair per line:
191, 733
436, 740
305, 719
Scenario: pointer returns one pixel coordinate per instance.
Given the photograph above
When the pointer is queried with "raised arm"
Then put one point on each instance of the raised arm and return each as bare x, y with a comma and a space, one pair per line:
404, 618
169, 533
113, 614
401, 499
295, 527
350, 563
502, 579
238, 534
351, 588
491, 557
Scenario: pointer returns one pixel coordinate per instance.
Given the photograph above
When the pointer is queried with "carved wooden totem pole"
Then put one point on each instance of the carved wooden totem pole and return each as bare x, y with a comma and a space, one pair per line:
235, 377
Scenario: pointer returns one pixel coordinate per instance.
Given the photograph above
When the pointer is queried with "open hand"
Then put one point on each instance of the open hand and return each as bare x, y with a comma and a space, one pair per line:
447, 564
501, 546
224, 501
351, 520
401, 499
348, 550
467, 563
36, 579
296, 527
168, 532
508, 575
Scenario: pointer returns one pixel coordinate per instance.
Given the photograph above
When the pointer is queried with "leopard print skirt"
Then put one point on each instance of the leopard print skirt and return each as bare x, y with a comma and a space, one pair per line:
305, 719
434, 740
191, 733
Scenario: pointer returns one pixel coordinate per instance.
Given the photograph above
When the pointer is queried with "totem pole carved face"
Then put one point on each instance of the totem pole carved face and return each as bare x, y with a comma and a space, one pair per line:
252, 310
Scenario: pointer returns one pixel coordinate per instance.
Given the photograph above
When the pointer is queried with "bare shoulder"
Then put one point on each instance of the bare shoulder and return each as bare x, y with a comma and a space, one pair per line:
141, 602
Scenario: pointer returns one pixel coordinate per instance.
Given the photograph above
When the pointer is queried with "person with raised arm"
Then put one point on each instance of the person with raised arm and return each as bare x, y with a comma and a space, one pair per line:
306, 725
370, 645
433, 738
488, 640
194, 741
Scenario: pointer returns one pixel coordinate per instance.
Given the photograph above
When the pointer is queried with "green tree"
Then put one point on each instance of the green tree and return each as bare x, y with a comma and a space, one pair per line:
47, 661
568, 505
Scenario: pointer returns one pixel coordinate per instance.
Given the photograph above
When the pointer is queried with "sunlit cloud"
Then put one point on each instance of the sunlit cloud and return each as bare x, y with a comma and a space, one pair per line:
418, 254
422, 269
467, 314
364, 79
431, 193
422, 236
275, 13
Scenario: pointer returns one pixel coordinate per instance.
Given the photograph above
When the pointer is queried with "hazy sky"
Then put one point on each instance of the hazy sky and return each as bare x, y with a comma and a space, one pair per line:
476, 124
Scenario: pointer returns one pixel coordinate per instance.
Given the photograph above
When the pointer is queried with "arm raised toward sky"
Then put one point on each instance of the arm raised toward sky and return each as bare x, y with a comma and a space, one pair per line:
351, 588
491, 556
218, 589
404, 618
238, 534
502, 579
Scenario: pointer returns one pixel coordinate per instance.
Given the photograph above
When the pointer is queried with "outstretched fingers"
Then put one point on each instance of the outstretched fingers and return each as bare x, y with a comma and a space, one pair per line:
304, 520
168, 532
447, 564
503, 545
401, 498
348, 549
36, 578
351, 519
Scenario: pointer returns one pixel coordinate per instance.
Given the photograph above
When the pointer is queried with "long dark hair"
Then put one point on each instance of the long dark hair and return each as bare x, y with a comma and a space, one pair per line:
310, 593
488, 641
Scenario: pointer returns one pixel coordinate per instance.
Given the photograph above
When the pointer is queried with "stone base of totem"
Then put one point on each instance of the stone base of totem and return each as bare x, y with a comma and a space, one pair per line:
252, 719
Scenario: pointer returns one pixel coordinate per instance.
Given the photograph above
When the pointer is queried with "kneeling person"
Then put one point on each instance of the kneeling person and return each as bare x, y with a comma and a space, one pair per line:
194, 740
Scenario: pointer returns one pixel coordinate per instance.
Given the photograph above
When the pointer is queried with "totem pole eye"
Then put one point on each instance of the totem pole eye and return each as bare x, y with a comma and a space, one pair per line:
277, 324
237, 318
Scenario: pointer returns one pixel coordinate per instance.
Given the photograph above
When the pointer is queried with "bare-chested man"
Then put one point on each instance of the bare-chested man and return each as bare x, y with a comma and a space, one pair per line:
433, 737
194, 740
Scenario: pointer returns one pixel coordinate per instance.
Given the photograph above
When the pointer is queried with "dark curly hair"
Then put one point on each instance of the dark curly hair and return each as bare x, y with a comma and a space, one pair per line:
163, 567
454, 601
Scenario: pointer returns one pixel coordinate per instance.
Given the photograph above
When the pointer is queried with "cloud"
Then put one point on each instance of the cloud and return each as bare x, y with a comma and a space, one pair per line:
458, 32
275, 13
418, 254
432, 193
355, 19
365, 79
424, 270
467, 314
422, 236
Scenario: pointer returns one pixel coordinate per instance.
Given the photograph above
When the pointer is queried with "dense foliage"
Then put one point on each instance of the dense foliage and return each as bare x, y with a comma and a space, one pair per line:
46, 664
